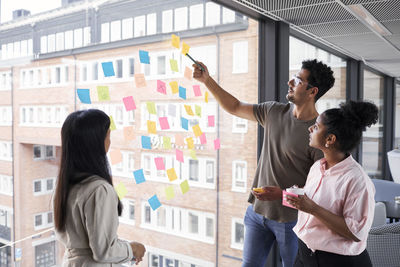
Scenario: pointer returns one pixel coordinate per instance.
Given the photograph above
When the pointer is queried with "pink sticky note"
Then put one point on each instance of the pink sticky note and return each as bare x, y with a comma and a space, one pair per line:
211, 121
161, 87
217, 144
179, 155
284, 202
203, 139
159, 163
129, 103
164, 123
196, 89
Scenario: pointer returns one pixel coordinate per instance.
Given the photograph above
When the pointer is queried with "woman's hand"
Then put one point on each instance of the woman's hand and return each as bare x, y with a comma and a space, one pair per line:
138, 251
269, 193
302, 203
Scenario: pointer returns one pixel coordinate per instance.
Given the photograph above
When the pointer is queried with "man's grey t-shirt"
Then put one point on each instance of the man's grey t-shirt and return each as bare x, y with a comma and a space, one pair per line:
285, 159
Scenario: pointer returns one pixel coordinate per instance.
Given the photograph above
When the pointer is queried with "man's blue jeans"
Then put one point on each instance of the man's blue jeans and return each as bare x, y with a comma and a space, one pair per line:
260, 234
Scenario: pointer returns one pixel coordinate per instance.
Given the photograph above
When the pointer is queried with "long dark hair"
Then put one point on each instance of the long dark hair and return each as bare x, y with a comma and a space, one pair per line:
82, 154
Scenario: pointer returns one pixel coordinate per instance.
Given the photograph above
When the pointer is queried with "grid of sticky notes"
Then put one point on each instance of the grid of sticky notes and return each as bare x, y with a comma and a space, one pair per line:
104, 94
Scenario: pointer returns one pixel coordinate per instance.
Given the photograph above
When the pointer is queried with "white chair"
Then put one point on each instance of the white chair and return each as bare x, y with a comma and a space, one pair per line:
394, 164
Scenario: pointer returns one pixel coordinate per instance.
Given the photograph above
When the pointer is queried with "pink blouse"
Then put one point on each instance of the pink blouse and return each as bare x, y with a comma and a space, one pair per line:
345, 190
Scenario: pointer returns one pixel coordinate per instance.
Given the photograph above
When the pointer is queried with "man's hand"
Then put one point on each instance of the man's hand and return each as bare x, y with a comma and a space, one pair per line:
302, 203
200, 75
138, 251
269, 193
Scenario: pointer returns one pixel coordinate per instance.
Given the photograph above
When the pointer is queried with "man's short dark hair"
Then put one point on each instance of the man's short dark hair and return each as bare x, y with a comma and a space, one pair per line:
321, 76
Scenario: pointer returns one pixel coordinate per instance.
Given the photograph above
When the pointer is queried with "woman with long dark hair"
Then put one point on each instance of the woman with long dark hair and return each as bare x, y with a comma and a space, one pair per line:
336, 212
86, 206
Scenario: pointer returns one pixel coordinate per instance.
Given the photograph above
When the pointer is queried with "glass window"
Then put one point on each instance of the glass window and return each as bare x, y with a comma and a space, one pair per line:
119, 68
43, 44
161, 65
51, 43
193, 170
139, 26
239, 233
209, 227
196, 16
167, 21
240, 59
212, 14
24, 48
60, 41
193, 223
181, 22
38, 220
45, 254
131, 67
86, 36
69, 39
127, 28
228, 16
37, 186
78, 37
49, 184
151, 24
115, 30
95, 71
105, 32
372, 141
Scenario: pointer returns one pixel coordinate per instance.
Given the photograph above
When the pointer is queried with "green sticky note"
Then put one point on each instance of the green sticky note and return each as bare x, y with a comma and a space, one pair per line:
166, 142
112, 124
193, 154
184, 186
103, 93
121, 190
169, 192
174, 65
197, 110
151, 107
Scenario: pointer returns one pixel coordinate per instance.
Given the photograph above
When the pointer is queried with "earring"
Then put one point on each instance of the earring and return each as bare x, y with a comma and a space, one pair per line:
326, 145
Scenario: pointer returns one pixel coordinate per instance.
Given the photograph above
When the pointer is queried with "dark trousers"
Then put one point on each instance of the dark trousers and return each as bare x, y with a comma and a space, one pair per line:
305, 257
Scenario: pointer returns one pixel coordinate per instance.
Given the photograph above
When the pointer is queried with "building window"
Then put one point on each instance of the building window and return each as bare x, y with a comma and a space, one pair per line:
139, 26
127, 28
151, 24
119, 68
95, 71
59, 41
228, 16
193, 223
45, 254
128, 212
43, 186
78, 38
6, 185
239, 176
69, 39
167, 21
131, 67
237, 233
240, 57
239, 125
43, 220
181, 20
196, 16
105, 32
210, 227
193, 170
51, 43
115, 30
212, 14
43, 44
161, 65
210, 171
42, 152
86, 36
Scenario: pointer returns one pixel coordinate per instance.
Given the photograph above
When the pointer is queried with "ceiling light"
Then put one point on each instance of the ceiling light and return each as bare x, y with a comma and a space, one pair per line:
368, 20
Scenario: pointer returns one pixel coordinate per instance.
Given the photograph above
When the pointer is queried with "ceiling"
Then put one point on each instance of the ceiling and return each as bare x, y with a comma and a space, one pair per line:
334, 23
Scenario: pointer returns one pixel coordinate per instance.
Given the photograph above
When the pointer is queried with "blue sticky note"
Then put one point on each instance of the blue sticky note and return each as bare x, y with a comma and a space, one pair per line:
84, 95
185, 123
144, 57
139, 176
146, 142
154, 202
108, 69
182, 92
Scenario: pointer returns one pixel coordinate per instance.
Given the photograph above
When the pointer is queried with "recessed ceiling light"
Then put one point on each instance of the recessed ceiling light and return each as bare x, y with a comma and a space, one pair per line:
368, 20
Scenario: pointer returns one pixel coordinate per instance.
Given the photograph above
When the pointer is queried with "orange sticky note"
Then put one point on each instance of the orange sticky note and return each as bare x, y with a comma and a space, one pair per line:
179, 140
116, 156
197, 131
174, 87
151, 127
185, 48
190, 142
175, 40
206, 97
188, 74
172, 174
140, 81
129, 133
189, 110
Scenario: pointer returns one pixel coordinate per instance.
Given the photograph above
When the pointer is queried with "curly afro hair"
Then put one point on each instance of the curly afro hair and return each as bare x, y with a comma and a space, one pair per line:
321, 76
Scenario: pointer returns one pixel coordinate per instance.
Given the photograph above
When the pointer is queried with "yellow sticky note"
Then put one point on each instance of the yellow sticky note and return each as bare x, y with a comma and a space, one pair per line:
151, 127
185, 48
169, 192
189, 110
188, 74
174, 87
174, 65
190, 142
112, 124
175, 40
103, 93
166, 142
193, 154
184, 186
121, 190
129, 133
140, 80
197, 131
116, 156
206, 97
172, 174
151, 108
197, 109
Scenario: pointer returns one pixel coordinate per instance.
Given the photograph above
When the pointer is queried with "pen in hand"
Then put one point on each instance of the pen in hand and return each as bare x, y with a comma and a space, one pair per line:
195, 62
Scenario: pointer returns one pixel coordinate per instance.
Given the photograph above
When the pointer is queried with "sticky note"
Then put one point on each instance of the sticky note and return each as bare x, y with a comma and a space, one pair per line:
161, 88
166, 142
164, 123
84, 96
179, 155
197, 109
144, 57
103, 93
139, 176
129, 103
179, 140
197, 131
217, 144
184, 123
184, 186
174, 65
116, 156
169, 192
140, 80
189, 110
174, 87
121, 190
188, 74
190, 142
185, 48
196, 90
172, 110
203, 139
129, 133
193, 154
151, 127
211, 121
154, 202
151, 108
159, 163
175, 41
146, 142
112, 124
182, 92
206, 97
108, 69
171, 174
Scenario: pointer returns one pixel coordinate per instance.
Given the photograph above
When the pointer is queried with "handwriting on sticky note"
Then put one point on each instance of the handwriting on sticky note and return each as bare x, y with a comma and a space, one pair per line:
179, 155
166, 142
172, 174
84, 95
184, 186
103, 93
140, 80
146, 142
174, 87
144, 57
197, 109
185, 48
159, 163
197, 131
189, 110
151, 108
190, 142
129, 103
151, 127
161, 88
196, 90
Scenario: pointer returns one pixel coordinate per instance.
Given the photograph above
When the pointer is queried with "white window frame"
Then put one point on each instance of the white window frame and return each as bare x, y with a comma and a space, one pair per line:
69, 39
239, 121
5, 115
167, 23
139, 26
127, 28
105, 32
151, 24
124, 218
78, 37
45, 222
236, 188
43, 186
196, 16
43, 152
115, 30
7, 154
122, 169
6, 185
180, 19
234, 244
213, 15
228, 15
